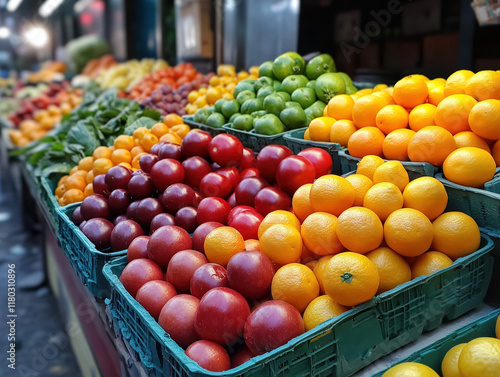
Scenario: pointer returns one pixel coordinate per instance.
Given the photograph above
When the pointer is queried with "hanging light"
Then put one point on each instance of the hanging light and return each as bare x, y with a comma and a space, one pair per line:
4, 32
12, 5
37, 36
48, 7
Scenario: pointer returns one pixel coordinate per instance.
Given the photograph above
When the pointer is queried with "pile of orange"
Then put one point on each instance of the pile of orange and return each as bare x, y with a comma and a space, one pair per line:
126, 151
220, 86
450, 123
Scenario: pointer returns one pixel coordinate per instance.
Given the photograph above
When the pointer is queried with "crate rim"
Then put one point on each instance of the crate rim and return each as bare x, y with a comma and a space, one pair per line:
440, 176
289, 136
265, 137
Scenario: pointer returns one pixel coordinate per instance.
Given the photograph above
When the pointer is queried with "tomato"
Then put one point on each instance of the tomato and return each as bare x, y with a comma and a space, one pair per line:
293, 172
249, 172
248, 160
247, 189
320, 158
268, 160
226, 150
230, 172
215, 184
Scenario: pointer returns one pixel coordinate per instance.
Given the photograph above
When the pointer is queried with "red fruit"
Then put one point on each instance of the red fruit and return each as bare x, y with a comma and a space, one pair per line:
154, 295
247, 223
138, 248
77, 217
155, 149
181, 268
235, 211
201, 233
166, 172
293, 172
177, 319
98, 231
195, 168
138, 272
95, 206
186, 219
215, 184
141, 186
99, 185
177, 196
206, 277
117, 177
221, 316
232, 173
124, 233
226, 150
165, 242
196, 143
271, 325
160, 220
213, 209
146, 162
232, 200
170, 150
250, 273
271, 199
241, 356
246, 190
268, 160
146, 211
320, 158
249, 172
118, 201
209, 355
248, 159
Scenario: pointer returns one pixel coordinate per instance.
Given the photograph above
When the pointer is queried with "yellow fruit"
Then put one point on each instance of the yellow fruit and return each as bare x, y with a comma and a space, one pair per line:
332, 193
282, 243
359, 229
319, 271
426, 194
449, 365
470, 139
393, 172
340, 107
452, 113
469, 166
431, 144
383, 198
392, 268
222, 243
391, 117
410, 91
422, 116
319, 233
319, 128
301, 202
428, 263
278, 217
341, 131
455, 83
484, 119
410, 370
484, 85
361, 184
480, 357
395, 145
368, 164
320, 310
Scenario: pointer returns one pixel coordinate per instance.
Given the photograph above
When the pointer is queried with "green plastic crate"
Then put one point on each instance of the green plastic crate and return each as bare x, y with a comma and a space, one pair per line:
295, 141
415, 169
86, 260
340, 346
49, 201
433, 354
189, 120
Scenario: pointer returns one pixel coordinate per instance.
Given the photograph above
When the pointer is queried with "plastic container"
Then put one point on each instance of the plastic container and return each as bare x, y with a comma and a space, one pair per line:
86, 260
415, 169
255, 141
295, 141
340, 346
433, 354
189, 120
49, 201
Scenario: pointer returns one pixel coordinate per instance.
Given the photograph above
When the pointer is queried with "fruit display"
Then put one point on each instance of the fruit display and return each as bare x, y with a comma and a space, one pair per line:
95, 66
287, 95
220, 86
50, 71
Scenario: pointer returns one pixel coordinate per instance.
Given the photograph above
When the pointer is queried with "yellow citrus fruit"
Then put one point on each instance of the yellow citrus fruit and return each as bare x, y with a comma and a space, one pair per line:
319, 271
428, 263
296, 284
278, 217
368, 164
484, 85
436, 95
361, 184
392, 268
359, 229
365, 141
393, 172
319, 233
449, 365
484, 119
431, 144
222, 243
319, 128
391, 117
86, 163
332, 193
480, 357
72, 196
410, 91
340, 107
427, 195
89, 190
456, 234
172, 119
452, 113
124, 142
497, 328
121, 155
383, 198
469, 166
395, 145
365, 109
101, 166
422, 116
90, 176
410, 369
301, 203
320, 310
101, 152
408, 232
147, 141
159, 129
470, 139
341, 131
455, 83
282, 243
75, 181
351, 278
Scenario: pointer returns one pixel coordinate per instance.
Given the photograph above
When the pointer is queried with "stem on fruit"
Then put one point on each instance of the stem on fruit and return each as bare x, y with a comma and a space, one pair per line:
346, 277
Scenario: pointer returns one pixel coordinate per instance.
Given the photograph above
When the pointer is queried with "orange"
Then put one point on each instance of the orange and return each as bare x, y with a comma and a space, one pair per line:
392, 171
311, 264
136, 150
301, 203
120, 155
101, 152
480, 357
484, 119
452, 113
213, 94
147, 141
89, 190
470, 139
383, 198
410, 91
320, 310
60, 190
392, 268
319, 271
296, 284
391, 117
62, 180
222, 243
395, 145
72, 196
319, 234
469, 166
82, 173
278, 217
428, 263
171, 137
340, 107
365, 109
436, 95
101, 166
90, 176
282, 243
73, 170
341, 131
408, 232
455, 83
495, 152
359, 229
306, 135
365, 141
75, 181
193, 95
307, 255
449, 365
180, 130
332, 193
135, 161
172, 119
456, 234
351, 278
86, 163
379, 87
368, 164
159, 129
252, 244
427, 195
422, 116
431, 144
361, 184
484, 85
319, 128
139, 133
124, 142
410, 369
